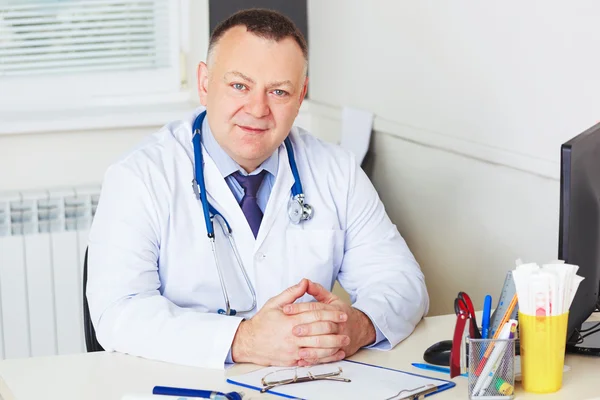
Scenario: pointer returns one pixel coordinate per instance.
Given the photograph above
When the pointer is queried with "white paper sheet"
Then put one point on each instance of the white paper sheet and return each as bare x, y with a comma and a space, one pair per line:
356, 131
368, 382
547, 290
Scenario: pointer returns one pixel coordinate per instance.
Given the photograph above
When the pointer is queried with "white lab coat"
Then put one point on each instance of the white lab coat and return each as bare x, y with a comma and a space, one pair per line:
153, 287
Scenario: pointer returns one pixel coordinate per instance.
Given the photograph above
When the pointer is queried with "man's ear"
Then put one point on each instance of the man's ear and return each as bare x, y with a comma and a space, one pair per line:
202, 82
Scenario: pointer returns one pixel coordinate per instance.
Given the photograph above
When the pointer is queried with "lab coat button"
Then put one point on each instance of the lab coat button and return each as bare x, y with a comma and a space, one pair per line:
260, 256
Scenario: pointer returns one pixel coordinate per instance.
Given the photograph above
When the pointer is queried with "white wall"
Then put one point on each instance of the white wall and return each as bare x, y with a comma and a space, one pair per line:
61, 159
472, 102
519, 77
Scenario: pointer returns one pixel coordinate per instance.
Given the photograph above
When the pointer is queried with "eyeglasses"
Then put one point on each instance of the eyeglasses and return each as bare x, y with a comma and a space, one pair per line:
301, 374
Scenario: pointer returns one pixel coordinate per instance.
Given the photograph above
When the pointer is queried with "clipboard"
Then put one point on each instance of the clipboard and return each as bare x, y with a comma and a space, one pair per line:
368, 381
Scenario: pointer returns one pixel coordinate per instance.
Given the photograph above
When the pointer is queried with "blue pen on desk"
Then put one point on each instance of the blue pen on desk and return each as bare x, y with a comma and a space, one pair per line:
204, 394
485, 324
435, 368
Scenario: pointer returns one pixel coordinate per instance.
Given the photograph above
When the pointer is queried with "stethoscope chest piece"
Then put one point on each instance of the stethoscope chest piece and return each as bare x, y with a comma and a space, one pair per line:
298, 211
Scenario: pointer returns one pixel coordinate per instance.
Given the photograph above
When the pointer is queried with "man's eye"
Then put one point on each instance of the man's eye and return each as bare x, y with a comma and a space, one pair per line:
239, 86
279, 92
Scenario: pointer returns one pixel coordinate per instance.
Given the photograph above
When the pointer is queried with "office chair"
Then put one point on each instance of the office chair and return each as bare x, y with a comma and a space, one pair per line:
91, 343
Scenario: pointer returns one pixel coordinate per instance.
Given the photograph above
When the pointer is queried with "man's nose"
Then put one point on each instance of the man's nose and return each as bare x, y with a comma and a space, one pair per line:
258, 105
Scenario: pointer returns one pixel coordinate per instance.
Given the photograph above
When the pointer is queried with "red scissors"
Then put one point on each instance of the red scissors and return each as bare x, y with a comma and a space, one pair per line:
464, 305
465, 314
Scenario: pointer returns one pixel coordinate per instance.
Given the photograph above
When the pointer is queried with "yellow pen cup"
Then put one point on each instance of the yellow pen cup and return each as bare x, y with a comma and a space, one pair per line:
543, 341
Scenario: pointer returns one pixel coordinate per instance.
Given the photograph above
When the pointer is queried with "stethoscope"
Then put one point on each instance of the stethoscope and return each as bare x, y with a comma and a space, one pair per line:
298, 211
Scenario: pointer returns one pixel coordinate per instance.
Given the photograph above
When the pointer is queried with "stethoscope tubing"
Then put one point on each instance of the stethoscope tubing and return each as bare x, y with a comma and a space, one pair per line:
199, 187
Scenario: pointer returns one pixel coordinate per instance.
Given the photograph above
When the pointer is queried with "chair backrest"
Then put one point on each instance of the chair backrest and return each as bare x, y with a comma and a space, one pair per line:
91, 343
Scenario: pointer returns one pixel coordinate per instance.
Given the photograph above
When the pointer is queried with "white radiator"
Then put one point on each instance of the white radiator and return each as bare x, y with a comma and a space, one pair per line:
43, 236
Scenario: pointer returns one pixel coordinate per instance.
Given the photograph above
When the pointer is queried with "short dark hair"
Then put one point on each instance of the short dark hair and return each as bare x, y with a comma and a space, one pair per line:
264, 23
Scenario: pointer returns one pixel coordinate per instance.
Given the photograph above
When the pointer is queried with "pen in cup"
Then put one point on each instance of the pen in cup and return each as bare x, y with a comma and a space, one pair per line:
485, 324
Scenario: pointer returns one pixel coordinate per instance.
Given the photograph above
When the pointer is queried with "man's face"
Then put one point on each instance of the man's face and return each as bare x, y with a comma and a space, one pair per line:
252, 90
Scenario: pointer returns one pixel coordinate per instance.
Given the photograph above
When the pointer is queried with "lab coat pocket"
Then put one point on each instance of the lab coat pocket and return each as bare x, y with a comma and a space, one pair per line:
316, 255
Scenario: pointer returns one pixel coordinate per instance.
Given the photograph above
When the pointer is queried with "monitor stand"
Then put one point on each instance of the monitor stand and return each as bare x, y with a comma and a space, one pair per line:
591, 344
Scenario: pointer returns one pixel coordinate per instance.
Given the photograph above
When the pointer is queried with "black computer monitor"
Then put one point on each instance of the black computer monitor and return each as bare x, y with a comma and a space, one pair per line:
579, 225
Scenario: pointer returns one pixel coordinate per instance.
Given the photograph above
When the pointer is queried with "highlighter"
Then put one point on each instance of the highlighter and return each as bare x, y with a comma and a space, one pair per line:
503, 387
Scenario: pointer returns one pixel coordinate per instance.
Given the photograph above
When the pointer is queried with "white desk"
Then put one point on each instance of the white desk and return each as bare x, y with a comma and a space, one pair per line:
107, 376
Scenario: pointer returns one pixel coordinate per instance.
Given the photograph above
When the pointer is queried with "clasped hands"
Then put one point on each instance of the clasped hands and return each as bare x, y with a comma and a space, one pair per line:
284, 333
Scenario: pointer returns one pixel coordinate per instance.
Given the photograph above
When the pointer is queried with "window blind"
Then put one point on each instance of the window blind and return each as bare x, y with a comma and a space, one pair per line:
73, 36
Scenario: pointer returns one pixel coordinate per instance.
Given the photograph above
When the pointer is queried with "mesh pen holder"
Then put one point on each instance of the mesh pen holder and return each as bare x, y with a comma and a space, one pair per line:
491, 368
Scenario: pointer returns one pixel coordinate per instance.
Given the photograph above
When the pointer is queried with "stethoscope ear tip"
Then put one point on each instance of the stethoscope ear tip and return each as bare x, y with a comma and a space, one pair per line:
223, 312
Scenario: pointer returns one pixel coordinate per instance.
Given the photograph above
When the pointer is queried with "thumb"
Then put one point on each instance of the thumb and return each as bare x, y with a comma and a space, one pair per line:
320, 294
290, 295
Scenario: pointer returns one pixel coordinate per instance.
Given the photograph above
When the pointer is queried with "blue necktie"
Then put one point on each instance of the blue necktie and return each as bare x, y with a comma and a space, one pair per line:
249, 204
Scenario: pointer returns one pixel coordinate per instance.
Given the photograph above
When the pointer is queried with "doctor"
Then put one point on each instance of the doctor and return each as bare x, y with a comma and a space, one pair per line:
165, 281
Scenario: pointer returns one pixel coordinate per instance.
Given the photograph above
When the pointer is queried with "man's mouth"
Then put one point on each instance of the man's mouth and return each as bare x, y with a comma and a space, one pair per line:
251, 129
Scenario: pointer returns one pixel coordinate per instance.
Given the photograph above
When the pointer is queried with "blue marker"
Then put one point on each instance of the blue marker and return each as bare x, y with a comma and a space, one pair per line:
435, 368
485, 324
185, 393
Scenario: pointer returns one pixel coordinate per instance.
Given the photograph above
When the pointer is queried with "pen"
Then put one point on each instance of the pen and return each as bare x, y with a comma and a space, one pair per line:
485, 325
205, 394
435, 368
136, 396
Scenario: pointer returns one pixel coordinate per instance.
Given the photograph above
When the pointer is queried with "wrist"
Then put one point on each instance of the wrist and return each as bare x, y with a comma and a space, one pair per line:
366, 328
240, 348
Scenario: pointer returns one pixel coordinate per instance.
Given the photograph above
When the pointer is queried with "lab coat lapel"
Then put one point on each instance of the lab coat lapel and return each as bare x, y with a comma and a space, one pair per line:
279, 197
